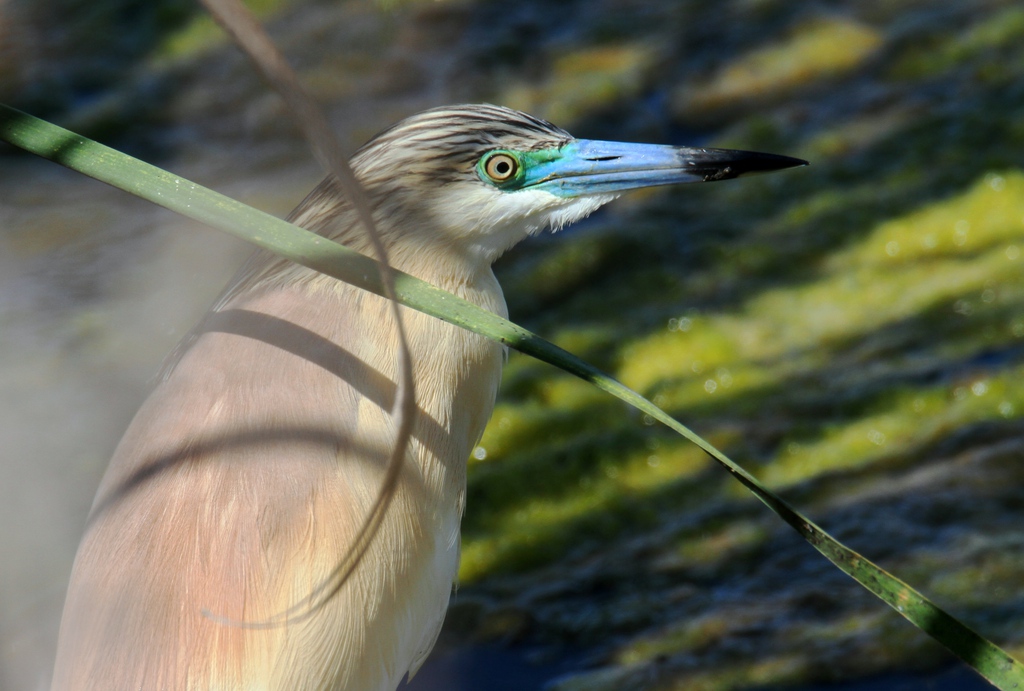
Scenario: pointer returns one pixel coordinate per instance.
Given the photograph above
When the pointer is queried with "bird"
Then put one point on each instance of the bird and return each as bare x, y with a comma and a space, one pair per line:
247, 473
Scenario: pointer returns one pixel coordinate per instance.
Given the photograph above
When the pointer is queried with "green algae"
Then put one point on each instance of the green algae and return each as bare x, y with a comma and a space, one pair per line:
583, 80
853, 333
994, 41
696, 358
821, 49
954, 262
201, 33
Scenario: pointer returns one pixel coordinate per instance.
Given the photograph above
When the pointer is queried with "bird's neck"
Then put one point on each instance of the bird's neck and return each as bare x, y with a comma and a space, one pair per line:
416, 234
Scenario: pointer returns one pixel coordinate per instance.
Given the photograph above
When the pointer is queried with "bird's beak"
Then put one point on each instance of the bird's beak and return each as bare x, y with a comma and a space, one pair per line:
586, 167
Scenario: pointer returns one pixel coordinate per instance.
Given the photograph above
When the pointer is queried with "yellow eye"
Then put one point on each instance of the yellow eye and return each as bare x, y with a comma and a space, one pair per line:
501, 167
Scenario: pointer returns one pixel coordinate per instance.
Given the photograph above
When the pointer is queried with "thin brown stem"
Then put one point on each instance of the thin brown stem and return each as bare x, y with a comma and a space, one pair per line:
247, 32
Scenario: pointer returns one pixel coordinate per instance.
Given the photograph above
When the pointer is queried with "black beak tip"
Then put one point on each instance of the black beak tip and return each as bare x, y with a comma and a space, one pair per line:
725, 164
753, 163
780, 162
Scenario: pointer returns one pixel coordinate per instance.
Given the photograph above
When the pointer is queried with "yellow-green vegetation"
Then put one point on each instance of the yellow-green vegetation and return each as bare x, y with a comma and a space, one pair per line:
821, 49
989, 579
957, 256
989, 39
537, 528
202, 33
953, 266
754, 674
813, 638
851, 333
585, 80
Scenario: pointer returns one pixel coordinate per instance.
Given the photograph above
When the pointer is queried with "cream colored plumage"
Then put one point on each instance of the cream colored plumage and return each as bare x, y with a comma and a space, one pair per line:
245, 475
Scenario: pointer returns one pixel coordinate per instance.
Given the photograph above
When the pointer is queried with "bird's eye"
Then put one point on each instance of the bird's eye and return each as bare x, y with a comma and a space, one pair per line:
501, 167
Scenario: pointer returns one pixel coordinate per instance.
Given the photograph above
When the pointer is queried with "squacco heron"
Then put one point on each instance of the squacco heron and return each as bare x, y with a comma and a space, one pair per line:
246, 474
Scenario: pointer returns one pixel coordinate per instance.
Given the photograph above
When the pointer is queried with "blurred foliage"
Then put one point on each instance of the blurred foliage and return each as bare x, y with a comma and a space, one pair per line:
853, 331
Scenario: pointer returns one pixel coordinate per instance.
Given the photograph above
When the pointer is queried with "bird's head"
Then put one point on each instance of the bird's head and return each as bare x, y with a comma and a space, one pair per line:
477, 179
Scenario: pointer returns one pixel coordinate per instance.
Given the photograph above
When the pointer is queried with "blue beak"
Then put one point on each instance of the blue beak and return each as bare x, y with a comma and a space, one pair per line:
587, 167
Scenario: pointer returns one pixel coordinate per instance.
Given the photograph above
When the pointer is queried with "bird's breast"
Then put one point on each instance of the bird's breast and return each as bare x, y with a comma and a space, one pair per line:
242, 484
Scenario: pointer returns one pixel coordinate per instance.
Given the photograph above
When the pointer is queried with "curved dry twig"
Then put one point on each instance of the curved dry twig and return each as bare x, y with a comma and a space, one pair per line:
247, 32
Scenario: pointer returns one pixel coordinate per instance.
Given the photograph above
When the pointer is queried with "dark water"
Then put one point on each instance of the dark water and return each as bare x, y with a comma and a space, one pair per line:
484, 667
503, 669
954, 679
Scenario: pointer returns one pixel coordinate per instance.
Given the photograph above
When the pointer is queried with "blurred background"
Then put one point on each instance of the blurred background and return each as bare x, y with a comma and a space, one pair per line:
852, 332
